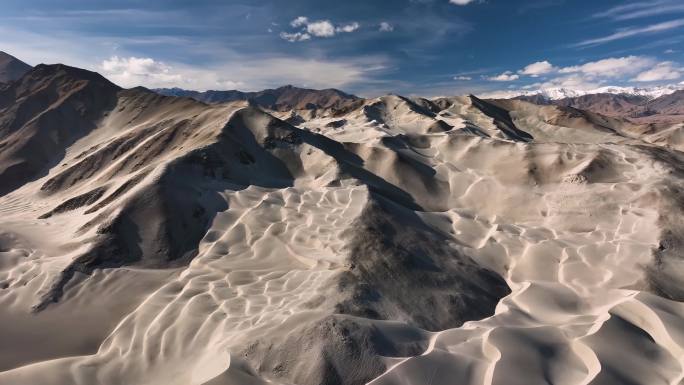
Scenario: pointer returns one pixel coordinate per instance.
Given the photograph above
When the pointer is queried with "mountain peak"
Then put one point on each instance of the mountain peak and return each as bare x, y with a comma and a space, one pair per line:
11, 68
44, 71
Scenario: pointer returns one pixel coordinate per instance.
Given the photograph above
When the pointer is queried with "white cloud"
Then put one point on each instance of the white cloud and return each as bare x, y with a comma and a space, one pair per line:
669, 51
461, 77
461, 2
386, 27
611, 67
348, 27
662, 71
300, 21
135, 70
293, 37
318, 28
323, 28
537, 68
507, 76
629, 32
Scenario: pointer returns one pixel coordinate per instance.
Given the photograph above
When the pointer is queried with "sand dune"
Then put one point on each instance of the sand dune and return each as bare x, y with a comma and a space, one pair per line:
395, 241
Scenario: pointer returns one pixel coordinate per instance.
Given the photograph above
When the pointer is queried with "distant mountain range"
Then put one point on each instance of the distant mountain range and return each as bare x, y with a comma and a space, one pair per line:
641, 108
279, 99
643, 105
556, 93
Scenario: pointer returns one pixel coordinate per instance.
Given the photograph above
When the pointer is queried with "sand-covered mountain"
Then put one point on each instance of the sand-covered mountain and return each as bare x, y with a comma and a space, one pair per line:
280, 99
42, 114
11, 68
163, 240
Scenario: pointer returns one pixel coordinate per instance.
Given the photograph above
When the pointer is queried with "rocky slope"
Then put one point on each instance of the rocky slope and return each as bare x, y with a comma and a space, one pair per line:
161, 240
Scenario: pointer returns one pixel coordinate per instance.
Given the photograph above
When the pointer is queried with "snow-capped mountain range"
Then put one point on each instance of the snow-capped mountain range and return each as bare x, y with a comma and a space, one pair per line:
557, 93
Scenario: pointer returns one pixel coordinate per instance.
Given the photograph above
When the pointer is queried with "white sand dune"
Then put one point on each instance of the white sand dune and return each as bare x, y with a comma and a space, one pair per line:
402, 241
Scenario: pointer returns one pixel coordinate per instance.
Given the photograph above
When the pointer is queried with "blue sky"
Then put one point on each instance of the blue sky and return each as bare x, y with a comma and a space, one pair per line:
412, 47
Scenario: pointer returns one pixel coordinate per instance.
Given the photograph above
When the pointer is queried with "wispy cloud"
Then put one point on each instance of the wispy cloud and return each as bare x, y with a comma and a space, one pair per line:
246, 74
611, 67
634, 31
642, 9
293, 37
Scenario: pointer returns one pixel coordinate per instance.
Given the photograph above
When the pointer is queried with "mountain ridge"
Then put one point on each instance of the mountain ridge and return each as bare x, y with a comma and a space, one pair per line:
282, 98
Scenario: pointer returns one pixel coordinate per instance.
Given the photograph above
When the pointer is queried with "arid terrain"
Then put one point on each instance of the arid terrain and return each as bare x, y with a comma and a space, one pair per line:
296, 236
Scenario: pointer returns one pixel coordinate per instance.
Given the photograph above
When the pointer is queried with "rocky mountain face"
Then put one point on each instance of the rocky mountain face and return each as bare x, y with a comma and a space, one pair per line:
11, 68
297, 238
672, 104
280, 99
